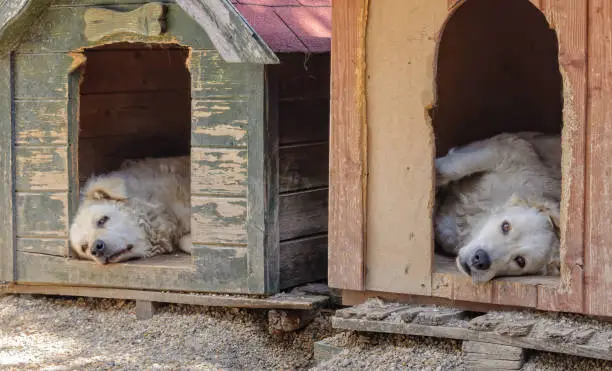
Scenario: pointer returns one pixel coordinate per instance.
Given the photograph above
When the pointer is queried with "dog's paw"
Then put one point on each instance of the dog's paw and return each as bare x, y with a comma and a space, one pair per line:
553, 268
443, 173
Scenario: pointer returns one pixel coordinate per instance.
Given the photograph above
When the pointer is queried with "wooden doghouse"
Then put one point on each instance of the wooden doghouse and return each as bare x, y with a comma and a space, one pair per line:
84, 86
410, 79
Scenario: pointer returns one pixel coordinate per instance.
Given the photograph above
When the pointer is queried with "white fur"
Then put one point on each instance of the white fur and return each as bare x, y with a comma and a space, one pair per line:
509, 177
147, 203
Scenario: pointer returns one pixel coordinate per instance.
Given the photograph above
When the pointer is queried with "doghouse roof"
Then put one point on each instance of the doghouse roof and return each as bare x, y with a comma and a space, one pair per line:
290, 25
229, 32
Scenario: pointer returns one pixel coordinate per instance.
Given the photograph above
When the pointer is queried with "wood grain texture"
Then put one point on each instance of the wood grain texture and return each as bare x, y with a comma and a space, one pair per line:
41, 168
42, 214
400, 183
41, 122
60, 30
42, 76
220, 122
348, 146
212, 300
229, 31
47, 246
216, 220
303, 77
222, 267
221, 171
302, 261
140, 69
158, 273
303, 214
7, 209
303, 121
146, 20
153, 113
212, 77
16, 17
570, 20
263, 220
598, 262
303, 167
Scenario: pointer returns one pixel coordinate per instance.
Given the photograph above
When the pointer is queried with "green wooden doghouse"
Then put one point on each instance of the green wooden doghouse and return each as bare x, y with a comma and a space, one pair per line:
84, 86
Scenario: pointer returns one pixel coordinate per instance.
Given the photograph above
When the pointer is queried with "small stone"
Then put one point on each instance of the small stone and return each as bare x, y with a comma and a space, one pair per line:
515, 328
485, 323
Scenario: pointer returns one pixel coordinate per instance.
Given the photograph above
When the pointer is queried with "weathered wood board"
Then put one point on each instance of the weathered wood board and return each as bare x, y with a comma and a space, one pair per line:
528, 330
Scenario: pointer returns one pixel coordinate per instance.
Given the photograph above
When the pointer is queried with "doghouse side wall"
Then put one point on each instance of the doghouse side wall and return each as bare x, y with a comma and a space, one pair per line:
232, 212
303, 116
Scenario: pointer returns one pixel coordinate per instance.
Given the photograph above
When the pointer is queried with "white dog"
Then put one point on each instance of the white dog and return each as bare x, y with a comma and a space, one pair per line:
138, 211
498, 205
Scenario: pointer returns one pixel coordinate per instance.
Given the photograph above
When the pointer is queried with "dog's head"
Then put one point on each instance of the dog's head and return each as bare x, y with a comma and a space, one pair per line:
520, 238
105, 228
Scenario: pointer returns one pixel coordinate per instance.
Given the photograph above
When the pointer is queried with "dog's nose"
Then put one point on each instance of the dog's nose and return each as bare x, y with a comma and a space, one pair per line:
481, 260
97, 248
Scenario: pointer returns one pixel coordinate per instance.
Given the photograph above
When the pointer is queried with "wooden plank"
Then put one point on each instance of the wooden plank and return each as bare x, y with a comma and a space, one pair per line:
48, 246
212, 77
303, 213
163, 113
229, 31
221, 171
347, 224
515, 294
41, 122
465, 290
598, 260
303, 77
42, 76
41, 168
212, 300
163, 272
42, 214
220, 122
459, 333
302, 261
139, 71
16, 17
224, 268
303, 167
303, 121
7, 209
216, 220
570, 20
61, 30
401, 144
263, 204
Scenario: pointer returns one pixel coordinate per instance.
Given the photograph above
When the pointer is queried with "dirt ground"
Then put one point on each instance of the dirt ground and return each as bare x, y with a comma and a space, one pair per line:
49, 333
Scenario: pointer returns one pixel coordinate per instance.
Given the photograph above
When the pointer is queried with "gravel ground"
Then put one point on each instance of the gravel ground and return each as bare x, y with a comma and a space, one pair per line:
102, 334
39, 332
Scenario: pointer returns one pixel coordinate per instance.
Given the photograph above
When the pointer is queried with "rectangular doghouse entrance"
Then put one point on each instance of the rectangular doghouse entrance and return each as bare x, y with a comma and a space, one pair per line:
134, 102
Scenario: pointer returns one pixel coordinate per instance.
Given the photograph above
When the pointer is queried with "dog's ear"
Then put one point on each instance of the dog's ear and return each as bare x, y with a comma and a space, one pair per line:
555, 223
106, 188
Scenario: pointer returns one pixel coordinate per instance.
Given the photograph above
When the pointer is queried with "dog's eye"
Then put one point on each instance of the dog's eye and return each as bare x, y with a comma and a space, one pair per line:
505, 227
100, 223
520, 261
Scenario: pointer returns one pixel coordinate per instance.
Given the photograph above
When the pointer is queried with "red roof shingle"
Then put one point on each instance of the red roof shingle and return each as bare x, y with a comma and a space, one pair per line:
290, 25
